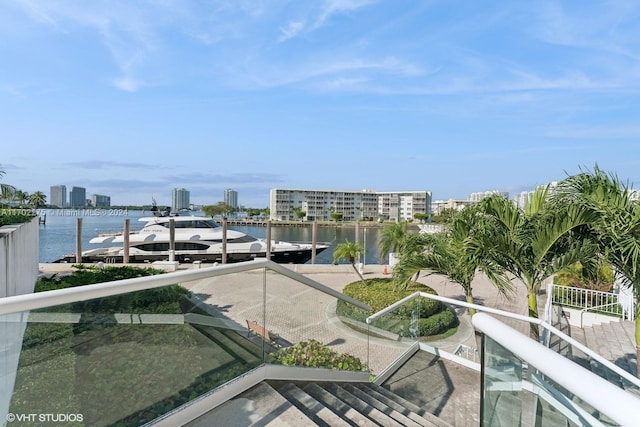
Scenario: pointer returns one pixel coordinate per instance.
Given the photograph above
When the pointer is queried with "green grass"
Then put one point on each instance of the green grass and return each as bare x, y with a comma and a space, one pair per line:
122, 374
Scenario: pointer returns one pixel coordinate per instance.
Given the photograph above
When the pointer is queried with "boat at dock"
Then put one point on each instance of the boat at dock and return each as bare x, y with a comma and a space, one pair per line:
195, 238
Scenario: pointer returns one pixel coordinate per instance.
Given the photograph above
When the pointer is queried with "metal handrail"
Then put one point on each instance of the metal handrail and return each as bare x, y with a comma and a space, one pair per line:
19, 303
602, 395
573, 291
586, 350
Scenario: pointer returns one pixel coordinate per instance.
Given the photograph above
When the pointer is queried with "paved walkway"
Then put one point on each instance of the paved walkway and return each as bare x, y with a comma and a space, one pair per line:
298, 313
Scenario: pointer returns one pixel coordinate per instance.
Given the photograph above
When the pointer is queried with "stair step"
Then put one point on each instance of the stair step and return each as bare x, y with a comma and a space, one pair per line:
363, 407
389, 407
410, 406
261, 405
315, 410
338, 406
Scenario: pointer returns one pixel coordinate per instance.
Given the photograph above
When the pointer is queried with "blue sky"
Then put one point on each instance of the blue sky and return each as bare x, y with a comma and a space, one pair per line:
131, 99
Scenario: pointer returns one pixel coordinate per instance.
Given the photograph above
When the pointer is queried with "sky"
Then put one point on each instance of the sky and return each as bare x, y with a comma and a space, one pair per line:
132, 99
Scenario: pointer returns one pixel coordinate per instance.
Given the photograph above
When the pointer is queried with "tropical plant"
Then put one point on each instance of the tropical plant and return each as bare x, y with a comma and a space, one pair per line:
445, 216
420, 216
220, 208
393, 238
535, 242
300, 214
6, 190
336, 216
454, 254
314, 354
615, 224
37, 199
21, 198
349, 251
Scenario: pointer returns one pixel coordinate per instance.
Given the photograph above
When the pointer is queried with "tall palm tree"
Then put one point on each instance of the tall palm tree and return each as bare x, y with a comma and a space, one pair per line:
20, 197
37, 199
393, 238
615, 225
536, 242
349, 251
454, 254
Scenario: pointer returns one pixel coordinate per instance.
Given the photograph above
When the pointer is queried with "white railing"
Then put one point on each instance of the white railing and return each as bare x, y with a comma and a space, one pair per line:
586, 300
544, 324
468, 352
38, 300
605, 397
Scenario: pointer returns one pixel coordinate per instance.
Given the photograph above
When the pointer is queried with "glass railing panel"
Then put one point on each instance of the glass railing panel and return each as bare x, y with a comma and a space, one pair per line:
515, 393
127, 359
392, 333
626, 362
234, 300
308, 327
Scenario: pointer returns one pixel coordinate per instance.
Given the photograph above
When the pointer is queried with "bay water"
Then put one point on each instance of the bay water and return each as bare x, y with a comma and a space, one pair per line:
58, 233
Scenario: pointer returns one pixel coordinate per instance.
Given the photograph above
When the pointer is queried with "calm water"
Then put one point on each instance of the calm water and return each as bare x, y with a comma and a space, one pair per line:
58, 235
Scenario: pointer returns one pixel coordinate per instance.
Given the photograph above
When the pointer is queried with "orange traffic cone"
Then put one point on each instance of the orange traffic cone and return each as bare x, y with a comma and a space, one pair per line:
385, 270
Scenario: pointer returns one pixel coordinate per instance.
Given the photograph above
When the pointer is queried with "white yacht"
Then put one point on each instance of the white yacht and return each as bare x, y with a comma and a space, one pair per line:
196, 239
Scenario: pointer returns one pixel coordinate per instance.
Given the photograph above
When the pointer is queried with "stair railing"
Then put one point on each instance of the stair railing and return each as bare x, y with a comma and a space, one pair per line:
588, 300
541, 322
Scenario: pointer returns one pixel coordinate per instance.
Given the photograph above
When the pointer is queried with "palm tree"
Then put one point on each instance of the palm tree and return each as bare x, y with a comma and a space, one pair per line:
37, 199
615, 225
536, 242
393, 238
20, 197
348, 251
6, 190
453, 254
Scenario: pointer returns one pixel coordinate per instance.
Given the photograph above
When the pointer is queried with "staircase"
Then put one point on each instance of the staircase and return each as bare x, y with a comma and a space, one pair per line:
614, 341
318, 404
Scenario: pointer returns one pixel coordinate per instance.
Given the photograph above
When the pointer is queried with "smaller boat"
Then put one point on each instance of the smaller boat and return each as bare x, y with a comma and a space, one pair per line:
196, 238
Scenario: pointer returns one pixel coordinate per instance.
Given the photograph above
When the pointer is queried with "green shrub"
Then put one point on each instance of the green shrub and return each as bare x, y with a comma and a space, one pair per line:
313, 354
432, 316
161, 300
15, 216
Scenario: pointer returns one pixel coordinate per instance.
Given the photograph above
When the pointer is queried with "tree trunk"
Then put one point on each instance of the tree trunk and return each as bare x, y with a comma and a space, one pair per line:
472, 311
532, 300
357, 272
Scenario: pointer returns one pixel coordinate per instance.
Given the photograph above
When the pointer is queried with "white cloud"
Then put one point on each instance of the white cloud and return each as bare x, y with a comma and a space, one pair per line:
292, 29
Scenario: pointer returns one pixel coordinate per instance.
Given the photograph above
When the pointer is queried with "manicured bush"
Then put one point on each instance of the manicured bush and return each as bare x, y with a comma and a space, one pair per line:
313, 354
431, 316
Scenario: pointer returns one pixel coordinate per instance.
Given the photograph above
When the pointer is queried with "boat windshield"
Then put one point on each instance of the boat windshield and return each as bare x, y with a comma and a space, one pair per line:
197, 223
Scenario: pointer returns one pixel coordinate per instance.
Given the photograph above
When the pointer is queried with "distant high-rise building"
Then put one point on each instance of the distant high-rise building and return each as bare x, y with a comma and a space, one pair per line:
100, 201
180, 199
58, 196
231, 198
78, 197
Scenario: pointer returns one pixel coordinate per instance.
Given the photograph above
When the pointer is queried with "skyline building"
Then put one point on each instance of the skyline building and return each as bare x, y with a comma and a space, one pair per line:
353, 205
78, 197
180, 199
58, 196
100, 201
231, 198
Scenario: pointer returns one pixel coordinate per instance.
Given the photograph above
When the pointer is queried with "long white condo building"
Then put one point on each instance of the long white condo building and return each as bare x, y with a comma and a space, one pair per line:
318, 205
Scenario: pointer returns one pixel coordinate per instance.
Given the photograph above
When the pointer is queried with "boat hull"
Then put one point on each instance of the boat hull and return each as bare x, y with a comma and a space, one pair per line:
298, 256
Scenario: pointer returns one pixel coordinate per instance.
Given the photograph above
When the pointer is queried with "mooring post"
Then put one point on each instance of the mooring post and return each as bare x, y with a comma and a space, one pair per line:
78, 240
268, 254
314, 234
125, 248
172, 240
224, 240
